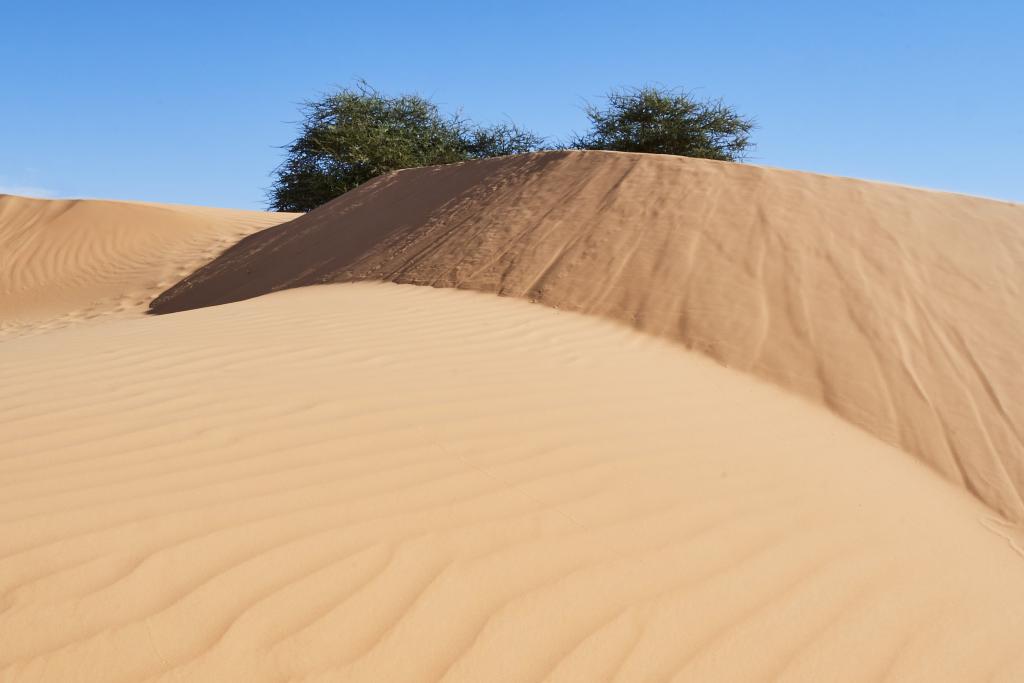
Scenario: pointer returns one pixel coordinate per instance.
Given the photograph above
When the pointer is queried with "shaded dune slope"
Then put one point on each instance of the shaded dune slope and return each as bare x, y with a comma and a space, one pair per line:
409, 484
68, 260
899, 309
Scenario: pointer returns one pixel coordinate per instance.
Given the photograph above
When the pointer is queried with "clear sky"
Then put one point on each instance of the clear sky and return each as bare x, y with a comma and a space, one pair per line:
189, 101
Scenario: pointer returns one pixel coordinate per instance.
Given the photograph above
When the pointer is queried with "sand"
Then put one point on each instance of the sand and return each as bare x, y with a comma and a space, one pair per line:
375, 482
772, 433
898, 309
65, 261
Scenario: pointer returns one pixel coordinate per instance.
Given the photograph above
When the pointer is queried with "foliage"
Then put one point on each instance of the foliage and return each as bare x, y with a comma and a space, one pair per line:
356, 134
659, 121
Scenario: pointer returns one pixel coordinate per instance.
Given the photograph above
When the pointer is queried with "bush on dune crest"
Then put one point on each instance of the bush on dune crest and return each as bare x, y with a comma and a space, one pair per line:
356, 134
658, 121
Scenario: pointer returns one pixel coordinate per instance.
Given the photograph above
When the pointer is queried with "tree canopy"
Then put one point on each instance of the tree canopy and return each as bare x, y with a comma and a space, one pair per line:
355, 134
660, 121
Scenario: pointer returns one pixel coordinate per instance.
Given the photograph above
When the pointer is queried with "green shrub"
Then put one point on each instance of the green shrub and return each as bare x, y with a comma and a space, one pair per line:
660, 121
356, 134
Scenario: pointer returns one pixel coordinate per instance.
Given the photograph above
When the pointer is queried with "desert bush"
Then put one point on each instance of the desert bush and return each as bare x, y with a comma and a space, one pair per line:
355, 134
661, 121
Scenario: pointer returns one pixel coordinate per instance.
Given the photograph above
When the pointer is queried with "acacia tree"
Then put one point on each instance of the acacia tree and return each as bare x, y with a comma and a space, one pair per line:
660, 121
353, 135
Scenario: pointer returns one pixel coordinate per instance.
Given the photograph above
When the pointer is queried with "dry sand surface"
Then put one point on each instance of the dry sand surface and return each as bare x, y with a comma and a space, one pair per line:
901, 310
373, 482
65, 261
380, 482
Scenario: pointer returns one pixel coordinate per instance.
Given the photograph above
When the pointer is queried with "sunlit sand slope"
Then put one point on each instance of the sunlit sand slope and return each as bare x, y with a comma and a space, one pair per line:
70, 260
381, 483
900, 309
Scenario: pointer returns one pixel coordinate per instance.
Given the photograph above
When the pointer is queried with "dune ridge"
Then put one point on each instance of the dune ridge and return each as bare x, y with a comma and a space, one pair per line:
898, 309
374, 482
67, 260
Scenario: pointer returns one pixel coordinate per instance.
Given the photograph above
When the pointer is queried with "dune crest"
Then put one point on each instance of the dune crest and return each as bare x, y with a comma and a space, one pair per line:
898, 309
373, 482
68, 260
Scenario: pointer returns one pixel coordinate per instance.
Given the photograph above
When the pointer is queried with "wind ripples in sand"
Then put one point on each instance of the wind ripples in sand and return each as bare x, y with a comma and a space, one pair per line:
376, 482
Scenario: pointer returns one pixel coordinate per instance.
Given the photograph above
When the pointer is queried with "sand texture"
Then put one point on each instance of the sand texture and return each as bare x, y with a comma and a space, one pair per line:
373, 482
67, 261
901, 310
774, 432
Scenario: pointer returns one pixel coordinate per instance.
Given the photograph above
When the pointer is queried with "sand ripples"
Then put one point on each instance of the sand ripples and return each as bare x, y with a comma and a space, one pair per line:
375, 482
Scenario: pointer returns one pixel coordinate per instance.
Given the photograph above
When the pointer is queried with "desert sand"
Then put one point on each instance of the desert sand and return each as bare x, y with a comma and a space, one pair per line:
65, 261
389, 483
772, 434
899, 309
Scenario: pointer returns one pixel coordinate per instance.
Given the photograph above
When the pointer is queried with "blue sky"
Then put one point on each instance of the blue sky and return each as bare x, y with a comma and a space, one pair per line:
189, 101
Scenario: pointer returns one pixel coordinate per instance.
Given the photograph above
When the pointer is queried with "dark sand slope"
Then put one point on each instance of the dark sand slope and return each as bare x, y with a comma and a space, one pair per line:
899, 309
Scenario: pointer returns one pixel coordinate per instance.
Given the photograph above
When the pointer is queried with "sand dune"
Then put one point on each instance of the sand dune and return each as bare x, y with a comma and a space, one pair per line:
375, 482
63, 261
899, 309
372, 482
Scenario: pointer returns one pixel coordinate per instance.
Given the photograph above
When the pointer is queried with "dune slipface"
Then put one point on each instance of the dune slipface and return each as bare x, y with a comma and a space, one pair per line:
63, 261
898, 309
373, 482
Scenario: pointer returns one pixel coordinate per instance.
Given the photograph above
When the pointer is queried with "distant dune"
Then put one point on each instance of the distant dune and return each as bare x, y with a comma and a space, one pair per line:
70, 260
381, 483
899, 309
